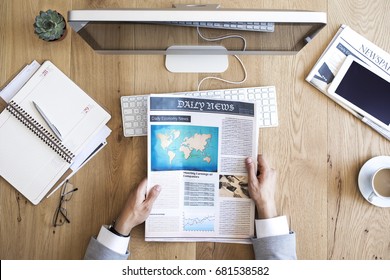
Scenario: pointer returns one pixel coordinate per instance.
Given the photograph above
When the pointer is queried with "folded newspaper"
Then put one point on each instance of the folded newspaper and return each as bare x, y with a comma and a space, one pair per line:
346, 42
197, 149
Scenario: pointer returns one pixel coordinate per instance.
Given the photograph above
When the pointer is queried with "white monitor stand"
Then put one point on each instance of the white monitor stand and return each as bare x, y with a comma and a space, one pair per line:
196, 59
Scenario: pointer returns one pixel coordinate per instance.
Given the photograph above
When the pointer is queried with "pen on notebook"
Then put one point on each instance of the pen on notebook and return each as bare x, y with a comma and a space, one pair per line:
49, 123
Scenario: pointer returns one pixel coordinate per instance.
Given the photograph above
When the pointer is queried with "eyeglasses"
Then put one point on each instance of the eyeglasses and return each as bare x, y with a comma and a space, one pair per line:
61, 214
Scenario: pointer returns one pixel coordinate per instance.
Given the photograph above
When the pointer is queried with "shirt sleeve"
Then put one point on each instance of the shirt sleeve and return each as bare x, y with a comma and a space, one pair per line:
112, 241
271, 227
264, 228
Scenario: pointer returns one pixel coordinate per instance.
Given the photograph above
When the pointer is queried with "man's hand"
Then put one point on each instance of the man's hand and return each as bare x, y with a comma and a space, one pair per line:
137, 208
262, 187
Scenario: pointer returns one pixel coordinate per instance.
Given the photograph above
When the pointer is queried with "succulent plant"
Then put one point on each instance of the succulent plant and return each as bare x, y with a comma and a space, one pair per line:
49, 25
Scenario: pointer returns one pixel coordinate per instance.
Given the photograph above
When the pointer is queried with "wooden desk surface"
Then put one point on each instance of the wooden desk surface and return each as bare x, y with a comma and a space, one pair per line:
317, 149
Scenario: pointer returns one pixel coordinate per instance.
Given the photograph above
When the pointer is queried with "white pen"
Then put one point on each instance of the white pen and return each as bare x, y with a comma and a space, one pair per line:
385, 133
49, 123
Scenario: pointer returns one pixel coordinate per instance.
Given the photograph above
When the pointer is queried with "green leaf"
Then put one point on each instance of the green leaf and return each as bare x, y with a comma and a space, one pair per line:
61, 25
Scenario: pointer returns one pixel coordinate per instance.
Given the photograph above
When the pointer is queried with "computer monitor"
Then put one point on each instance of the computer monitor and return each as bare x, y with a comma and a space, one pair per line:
158, 31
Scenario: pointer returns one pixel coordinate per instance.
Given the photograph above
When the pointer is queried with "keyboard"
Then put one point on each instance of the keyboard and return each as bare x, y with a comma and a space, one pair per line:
239, 26
134, 107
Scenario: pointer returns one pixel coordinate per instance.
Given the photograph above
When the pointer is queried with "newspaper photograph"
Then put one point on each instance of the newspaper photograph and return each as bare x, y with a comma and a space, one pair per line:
196, 153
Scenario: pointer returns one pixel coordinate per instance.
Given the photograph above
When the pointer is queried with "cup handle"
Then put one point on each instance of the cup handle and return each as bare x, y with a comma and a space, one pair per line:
371, 197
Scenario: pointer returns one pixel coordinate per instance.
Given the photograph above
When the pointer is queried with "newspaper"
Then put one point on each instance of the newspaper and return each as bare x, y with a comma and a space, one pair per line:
197, 149
348, 42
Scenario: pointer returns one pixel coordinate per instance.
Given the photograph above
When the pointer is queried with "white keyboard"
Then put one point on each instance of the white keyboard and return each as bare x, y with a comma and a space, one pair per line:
244, 26
134, 107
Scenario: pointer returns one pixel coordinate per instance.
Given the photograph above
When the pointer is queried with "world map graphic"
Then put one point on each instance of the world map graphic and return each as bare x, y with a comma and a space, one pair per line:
184, 147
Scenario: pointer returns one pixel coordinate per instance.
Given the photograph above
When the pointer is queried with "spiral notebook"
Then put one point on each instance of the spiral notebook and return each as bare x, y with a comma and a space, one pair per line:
32, 158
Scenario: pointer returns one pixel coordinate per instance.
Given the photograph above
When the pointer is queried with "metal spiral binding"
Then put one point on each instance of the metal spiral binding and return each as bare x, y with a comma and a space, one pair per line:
46, 136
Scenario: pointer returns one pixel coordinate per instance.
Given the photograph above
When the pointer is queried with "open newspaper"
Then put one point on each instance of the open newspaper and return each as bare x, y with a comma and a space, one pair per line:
197, 149
348, 42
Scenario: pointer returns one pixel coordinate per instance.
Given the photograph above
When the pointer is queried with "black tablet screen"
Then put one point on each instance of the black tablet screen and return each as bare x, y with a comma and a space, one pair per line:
367, 91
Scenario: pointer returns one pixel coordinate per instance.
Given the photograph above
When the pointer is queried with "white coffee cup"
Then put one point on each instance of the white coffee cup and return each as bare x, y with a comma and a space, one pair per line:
380, 182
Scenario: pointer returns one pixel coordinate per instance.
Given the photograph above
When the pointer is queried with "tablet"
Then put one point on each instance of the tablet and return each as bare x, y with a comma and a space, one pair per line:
364, 90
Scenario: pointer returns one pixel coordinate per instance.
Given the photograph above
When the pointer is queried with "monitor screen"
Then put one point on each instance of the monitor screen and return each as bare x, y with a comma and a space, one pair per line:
155, 30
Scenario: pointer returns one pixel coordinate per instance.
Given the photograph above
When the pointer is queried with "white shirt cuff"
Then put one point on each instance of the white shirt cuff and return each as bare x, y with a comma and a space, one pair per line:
271, 227
112, 241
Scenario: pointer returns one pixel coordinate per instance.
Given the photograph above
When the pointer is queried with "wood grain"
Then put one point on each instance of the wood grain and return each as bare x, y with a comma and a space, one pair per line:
317, 149
356, 229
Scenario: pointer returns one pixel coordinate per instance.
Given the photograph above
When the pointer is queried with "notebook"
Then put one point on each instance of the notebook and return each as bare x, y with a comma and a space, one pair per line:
32, 159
